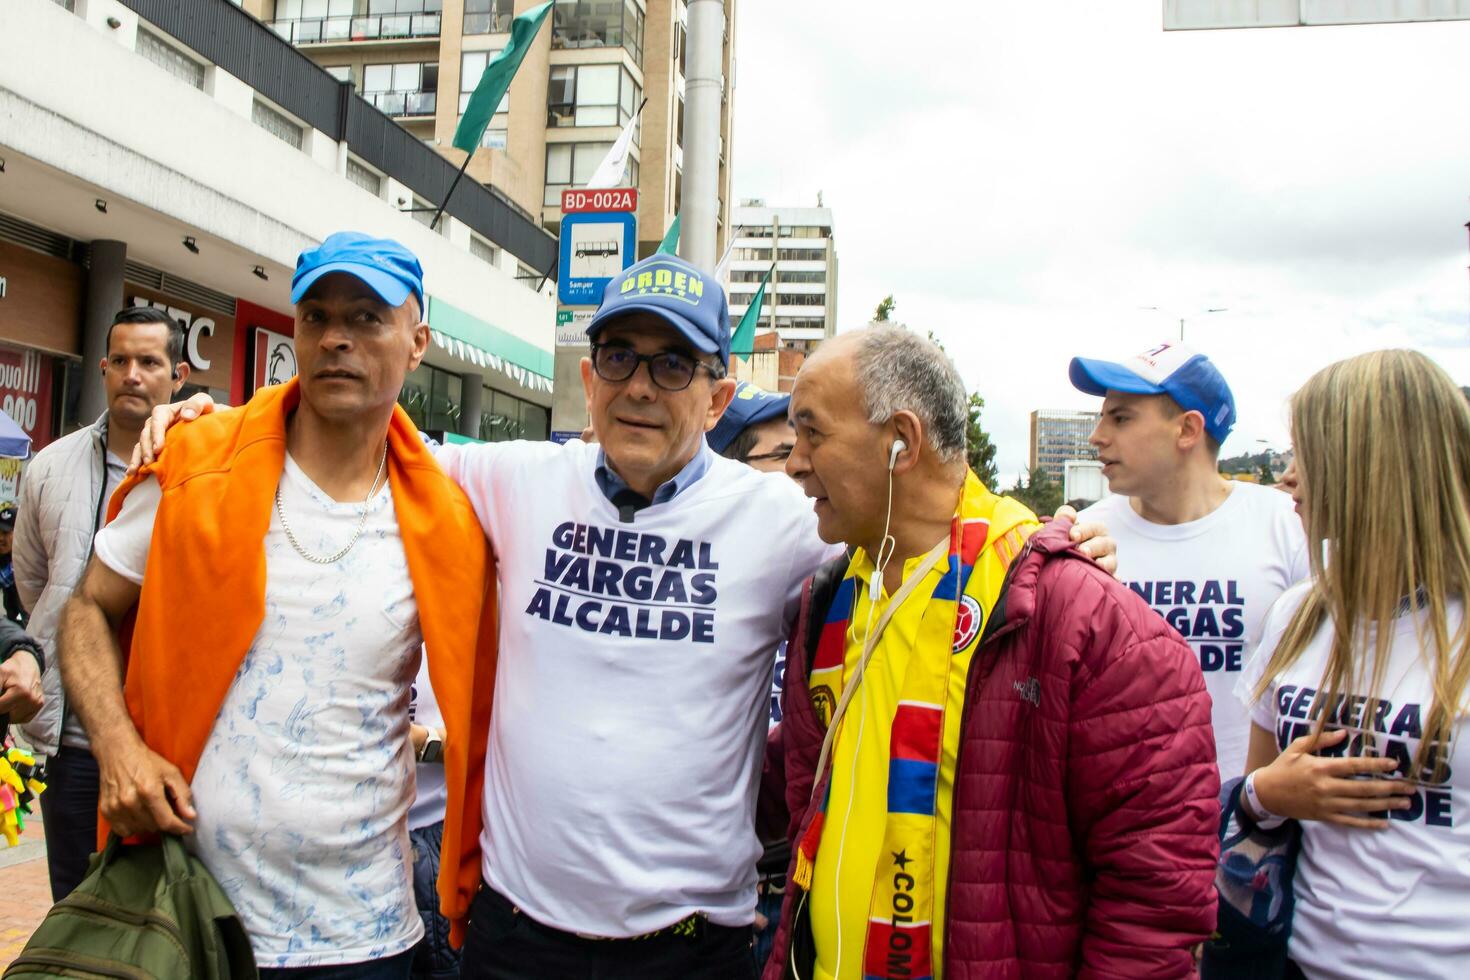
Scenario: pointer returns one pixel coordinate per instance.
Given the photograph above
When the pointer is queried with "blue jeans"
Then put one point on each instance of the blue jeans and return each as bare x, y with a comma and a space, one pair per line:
69, 811
769, 905
433, 957
392, 968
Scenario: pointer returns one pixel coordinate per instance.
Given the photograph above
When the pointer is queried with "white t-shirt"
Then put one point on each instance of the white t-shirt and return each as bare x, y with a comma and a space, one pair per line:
1388, 903
431, 791
304, 784
1213, 580
632, 692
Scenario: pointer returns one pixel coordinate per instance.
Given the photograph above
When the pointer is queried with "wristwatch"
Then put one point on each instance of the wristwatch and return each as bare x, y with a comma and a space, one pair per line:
433, 750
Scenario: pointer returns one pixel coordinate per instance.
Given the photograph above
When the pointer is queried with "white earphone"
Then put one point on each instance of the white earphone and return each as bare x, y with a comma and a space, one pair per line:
898, 446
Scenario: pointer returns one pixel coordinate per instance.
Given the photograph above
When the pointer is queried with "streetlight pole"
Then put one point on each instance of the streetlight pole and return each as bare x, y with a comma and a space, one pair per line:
1213, 309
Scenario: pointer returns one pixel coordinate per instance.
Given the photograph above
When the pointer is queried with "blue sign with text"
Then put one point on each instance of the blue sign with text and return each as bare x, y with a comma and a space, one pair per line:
595, 247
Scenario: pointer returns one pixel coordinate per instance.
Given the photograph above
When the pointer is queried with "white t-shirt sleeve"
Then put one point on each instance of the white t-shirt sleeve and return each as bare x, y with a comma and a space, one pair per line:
123, 544
1263, 709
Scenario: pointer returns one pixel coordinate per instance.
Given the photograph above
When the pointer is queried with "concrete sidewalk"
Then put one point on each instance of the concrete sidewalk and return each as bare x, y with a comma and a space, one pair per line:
25, 890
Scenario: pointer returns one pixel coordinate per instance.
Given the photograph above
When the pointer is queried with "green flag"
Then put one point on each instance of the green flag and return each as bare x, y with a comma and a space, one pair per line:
742, 341
496, 79
670, 244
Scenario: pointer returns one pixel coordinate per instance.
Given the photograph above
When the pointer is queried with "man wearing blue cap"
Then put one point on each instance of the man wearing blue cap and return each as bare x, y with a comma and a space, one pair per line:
641, 604
755, 429
1209, 554
284, 561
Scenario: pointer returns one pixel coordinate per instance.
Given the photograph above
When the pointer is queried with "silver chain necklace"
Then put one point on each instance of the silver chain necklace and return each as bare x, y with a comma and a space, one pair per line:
362, 522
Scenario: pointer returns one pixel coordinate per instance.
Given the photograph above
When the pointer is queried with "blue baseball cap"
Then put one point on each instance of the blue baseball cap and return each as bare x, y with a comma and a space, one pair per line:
1169, 369
751, 406
388, 269
685, 297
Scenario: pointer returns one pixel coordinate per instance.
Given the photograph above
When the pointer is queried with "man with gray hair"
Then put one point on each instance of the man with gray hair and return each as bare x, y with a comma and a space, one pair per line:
997, 760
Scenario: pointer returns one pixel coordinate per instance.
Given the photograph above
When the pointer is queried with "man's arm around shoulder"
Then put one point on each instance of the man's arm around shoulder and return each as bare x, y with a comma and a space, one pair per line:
1142, 784
141, 792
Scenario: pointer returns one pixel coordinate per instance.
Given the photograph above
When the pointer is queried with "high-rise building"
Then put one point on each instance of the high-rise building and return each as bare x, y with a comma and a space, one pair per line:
796, 246
584, 77
1058, 435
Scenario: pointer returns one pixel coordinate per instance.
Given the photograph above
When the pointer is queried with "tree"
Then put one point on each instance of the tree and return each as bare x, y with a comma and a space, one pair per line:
1267, 479
1038, 491
885, 309
978, 447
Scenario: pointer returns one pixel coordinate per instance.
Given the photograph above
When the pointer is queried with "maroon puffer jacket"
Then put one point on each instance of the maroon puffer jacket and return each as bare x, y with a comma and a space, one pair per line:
1085, 811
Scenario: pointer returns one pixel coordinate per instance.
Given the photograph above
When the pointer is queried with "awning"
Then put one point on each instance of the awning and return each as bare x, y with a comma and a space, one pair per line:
15, 444
483, 358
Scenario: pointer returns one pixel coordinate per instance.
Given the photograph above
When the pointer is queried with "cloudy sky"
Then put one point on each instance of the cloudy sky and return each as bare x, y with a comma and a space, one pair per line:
1023, 177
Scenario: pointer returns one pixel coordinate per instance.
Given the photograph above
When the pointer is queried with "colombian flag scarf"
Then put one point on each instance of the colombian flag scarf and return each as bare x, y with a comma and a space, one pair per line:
985, 536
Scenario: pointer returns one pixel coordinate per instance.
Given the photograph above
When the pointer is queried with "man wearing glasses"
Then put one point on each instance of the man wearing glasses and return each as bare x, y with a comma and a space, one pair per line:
640, 610
755, 430
645, 581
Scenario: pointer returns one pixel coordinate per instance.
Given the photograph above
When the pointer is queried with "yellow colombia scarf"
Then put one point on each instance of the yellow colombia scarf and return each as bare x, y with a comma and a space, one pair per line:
985, 536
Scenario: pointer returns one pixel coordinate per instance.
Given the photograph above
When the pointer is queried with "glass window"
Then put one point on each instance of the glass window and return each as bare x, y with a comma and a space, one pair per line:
529, 277
170, 59
275, 123
591, 95
404, 89
561, 96
342, 73
504, 417
471, 67
484, 251
432, 397
585, 160
572, 164
559, 163
599, 24
488, 16
597, 95
364, 177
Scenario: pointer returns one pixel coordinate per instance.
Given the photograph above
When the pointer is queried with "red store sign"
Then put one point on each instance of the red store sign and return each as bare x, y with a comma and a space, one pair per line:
25, 392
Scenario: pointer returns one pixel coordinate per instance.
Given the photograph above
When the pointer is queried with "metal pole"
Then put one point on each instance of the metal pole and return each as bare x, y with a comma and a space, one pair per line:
452, 186
704, 90
1181, 329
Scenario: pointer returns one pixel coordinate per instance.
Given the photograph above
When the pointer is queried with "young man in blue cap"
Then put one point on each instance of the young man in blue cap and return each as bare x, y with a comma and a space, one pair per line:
296, 545
755, 430
1209, 554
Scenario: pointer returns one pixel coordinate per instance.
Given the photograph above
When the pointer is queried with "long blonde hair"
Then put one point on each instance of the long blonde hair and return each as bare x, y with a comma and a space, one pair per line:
1383, 453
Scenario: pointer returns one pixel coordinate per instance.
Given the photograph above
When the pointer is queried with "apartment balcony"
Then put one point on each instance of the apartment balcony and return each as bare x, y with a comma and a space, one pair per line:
403, 104
346, 30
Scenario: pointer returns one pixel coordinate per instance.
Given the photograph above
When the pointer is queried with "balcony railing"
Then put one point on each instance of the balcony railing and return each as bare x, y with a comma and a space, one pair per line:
492, 23
403, 103
330, 30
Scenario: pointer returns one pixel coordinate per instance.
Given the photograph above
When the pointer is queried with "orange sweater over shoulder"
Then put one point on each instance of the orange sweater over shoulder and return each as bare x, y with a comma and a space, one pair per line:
203, 599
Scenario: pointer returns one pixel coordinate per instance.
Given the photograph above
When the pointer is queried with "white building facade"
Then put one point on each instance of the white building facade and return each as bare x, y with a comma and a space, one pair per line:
182, 155
796, 245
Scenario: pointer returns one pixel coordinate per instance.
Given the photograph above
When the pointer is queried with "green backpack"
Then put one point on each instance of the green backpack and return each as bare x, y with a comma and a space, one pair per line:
144, 912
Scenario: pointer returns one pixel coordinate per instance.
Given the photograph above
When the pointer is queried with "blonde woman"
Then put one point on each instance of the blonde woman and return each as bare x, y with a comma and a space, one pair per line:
1371, 658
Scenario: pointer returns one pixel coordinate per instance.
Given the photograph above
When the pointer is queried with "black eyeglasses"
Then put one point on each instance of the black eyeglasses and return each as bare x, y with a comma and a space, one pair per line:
779, 455
670, 370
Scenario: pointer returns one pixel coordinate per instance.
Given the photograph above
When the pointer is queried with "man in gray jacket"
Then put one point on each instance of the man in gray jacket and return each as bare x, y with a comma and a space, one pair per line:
63, 501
